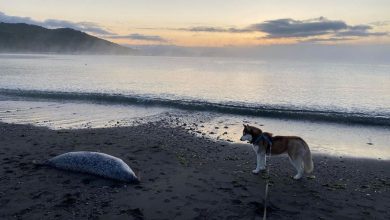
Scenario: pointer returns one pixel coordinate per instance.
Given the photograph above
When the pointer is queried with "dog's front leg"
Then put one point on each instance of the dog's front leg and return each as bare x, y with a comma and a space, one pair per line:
260, 160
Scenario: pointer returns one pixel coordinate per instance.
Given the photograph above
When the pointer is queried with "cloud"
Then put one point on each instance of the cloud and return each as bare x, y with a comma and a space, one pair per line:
300, 29
359, 31
335, 30
137, 36
214, 29
380, 23
54, 23
281, 27
331, 39
287, 28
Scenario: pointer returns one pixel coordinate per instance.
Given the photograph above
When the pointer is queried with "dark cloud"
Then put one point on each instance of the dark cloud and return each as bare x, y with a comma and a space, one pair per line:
302, 29
137, 36
287, 28
54, 23
335, 30
282, 28
359, 31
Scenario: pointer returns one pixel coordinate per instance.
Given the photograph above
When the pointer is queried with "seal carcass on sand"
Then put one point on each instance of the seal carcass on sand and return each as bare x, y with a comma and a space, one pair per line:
94, 163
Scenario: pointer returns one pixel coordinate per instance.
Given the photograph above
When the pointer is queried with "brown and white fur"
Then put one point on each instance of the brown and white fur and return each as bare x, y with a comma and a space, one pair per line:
296, 148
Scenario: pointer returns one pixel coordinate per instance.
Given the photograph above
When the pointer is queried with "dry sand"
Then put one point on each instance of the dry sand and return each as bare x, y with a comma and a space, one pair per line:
182, 177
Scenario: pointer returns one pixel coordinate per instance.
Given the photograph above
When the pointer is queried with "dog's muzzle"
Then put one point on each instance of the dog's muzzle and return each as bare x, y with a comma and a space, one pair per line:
246, 137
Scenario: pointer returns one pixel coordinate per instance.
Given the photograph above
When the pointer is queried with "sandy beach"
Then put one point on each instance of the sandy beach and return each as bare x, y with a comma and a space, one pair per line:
183, 176
152, 110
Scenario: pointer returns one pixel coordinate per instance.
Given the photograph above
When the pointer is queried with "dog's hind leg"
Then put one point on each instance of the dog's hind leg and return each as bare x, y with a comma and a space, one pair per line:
297, 163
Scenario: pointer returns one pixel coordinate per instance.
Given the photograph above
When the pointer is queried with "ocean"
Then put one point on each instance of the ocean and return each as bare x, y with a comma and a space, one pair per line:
76, 91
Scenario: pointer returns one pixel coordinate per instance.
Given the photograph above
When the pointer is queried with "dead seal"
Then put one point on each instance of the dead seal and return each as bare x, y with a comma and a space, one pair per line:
95, 163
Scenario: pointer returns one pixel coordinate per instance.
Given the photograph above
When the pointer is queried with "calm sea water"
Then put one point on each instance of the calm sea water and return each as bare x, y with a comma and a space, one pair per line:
355, 93
285, 98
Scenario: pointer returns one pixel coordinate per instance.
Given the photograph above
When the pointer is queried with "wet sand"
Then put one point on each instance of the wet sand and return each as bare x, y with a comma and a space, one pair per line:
183, 176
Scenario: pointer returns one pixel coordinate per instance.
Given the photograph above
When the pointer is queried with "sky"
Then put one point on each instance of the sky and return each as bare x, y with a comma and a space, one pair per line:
207, 23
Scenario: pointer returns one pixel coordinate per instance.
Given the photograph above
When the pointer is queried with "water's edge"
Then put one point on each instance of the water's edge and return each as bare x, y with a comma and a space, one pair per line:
230, 108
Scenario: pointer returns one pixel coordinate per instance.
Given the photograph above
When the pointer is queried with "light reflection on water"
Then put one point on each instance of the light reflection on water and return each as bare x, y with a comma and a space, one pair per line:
310, 85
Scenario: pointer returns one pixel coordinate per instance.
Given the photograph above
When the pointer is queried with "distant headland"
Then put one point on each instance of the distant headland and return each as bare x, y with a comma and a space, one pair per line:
26, 38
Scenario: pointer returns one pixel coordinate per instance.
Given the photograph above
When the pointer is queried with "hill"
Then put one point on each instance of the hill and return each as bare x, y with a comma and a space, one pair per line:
36, 39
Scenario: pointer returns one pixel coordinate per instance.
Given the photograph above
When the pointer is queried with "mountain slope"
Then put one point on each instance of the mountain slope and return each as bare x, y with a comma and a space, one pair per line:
32, 38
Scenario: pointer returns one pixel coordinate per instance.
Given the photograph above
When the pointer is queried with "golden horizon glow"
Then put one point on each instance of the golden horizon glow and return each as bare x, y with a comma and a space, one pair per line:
157, 22
188, 39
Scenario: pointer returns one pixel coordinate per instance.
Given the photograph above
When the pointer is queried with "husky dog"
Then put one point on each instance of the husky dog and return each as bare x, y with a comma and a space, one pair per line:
297, 149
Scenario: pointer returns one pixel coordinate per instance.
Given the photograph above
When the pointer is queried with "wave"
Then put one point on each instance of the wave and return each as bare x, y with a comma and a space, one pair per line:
229, 108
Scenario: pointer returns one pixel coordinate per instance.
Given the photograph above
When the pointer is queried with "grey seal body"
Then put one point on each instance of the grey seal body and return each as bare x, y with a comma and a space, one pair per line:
94, 163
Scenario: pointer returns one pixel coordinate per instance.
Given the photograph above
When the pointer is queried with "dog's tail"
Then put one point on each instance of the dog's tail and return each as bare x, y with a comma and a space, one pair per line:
307, 160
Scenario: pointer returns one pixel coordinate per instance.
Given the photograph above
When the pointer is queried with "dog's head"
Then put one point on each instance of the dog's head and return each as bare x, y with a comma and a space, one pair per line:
249, 132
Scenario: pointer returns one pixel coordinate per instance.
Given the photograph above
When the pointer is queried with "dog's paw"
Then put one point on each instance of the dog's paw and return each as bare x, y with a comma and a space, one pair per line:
255, 171
297, 177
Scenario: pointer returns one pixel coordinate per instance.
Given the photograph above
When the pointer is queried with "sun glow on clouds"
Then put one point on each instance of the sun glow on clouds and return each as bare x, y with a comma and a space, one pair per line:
277, 31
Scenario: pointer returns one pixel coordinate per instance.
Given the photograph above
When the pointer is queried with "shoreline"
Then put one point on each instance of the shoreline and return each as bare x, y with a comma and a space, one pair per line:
358, 118
182, 176
330, 138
